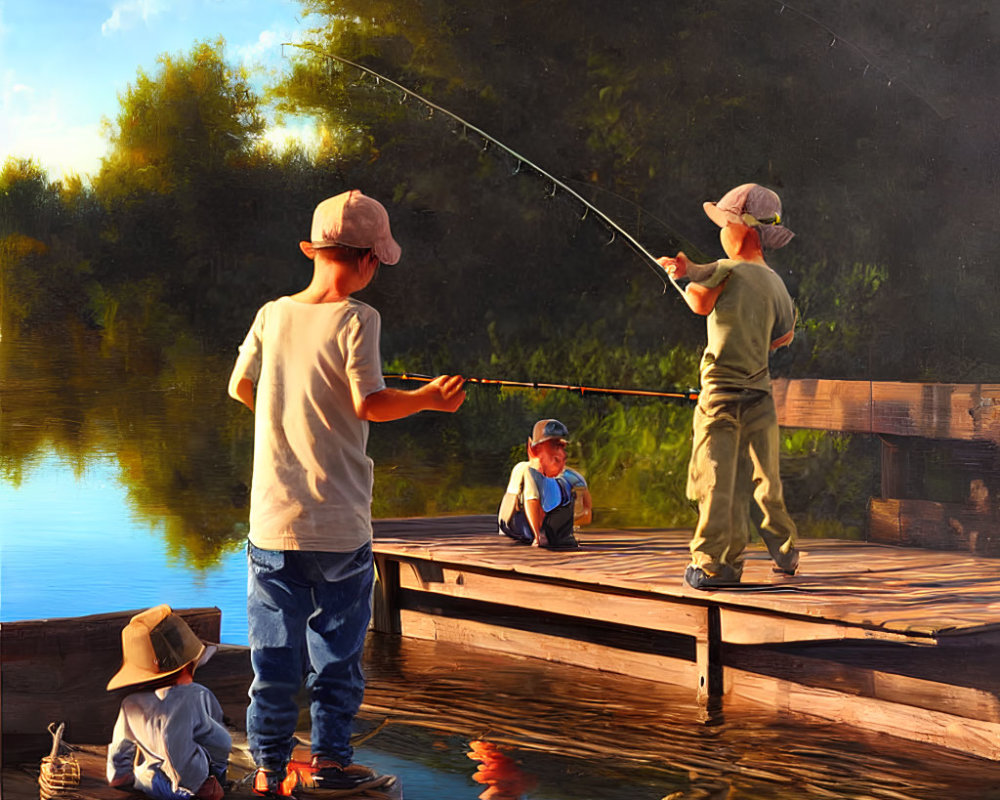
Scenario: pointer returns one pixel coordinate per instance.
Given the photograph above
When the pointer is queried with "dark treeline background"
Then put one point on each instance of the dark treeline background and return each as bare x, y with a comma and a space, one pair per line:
131, 289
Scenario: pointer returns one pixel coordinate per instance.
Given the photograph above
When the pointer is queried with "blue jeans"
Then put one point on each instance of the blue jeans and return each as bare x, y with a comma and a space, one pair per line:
307, 615
162, 789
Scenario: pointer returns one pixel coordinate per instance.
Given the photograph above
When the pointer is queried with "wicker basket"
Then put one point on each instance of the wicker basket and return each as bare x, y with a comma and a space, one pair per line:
59, 776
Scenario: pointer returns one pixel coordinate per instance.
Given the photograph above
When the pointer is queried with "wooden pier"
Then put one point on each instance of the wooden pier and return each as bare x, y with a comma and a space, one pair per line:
893, 640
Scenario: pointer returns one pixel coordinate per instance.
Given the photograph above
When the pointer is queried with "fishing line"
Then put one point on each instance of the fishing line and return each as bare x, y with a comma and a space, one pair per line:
690, 248
690, 395
519, 159
869, 61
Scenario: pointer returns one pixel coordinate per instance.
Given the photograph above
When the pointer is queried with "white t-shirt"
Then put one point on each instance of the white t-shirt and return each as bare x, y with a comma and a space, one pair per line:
312, 479
523, 486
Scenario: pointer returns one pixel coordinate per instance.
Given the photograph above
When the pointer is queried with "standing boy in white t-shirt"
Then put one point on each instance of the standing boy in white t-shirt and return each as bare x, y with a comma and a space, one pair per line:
311, 370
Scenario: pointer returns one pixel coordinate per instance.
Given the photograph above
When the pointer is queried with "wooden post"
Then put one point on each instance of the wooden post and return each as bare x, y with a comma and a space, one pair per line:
385, 603
896, 469
708, 651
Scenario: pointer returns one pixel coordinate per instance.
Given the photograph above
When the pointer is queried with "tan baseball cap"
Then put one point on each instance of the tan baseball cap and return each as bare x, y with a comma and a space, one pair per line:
753, 205
156, 644
352, 219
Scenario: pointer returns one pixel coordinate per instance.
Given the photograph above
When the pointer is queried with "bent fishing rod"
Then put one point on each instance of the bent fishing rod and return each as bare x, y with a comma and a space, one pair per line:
520, 159
690, 395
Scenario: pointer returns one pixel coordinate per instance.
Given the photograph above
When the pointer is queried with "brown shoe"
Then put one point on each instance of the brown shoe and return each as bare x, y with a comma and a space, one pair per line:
328, 778
789, 564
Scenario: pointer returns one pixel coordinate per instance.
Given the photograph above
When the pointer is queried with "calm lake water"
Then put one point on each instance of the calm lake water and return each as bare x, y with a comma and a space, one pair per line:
71, 546
81, 533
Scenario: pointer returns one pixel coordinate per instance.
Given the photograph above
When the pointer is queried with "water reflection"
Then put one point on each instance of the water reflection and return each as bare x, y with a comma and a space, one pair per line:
499, 773
182, 449
539, 730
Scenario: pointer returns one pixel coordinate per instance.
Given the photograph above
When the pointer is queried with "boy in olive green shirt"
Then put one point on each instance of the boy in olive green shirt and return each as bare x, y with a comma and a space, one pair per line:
736, 437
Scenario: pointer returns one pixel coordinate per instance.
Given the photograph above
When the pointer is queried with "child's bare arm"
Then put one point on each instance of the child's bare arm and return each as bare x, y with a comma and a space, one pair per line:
533, 511
700, 299
243, 392
444, 393
586, 515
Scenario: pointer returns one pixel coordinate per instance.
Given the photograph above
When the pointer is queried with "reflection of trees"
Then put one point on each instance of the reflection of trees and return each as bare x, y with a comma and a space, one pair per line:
172, 440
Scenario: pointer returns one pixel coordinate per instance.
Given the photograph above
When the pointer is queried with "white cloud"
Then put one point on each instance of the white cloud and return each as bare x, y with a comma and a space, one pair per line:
248, 53
128, 13
34, 125
266, 51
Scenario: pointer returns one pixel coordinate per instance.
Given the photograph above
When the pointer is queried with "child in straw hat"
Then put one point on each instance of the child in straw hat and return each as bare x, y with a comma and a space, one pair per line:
169, 741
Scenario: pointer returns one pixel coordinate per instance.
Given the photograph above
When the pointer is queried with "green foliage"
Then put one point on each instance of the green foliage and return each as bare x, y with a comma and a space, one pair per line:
152, 273
841, 309
195, 116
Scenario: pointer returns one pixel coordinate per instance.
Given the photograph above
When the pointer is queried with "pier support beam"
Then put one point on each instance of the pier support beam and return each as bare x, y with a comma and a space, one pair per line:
708, 652
385, 602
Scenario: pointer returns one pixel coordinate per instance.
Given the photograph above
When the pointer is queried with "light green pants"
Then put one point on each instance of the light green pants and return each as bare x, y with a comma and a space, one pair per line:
735, 457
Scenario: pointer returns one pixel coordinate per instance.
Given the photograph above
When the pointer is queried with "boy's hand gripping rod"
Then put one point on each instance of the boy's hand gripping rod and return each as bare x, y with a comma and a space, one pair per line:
614, 226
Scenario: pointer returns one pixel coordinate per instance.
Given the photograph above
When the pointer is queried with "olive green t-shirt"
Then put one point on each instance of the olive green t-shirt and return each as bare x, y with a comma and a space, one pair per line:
753, 310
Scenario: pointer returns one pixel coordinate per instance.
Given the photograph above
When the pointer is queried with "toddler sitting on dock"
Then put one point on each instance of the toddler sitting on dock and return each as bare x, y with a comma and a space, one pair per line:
169, 741
545, 500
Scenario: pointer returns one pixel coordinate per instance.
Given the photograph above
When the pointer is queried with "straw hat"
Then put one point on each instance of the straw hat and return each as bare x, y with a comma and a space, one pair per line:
156, 644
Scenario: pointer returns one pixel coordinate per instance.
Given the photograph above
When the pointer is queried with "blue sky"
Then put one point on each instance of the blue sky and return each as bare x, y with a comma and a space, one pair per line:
63, 63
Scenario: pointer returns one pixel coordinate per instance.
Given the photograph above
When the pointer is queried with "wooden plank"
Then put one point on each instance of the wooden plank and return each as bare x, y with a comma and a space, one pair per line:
824, 404
744, 626
921, 677
929, 524
883, 521
549, 648
977, 737
930, 410
676, 615
96, 633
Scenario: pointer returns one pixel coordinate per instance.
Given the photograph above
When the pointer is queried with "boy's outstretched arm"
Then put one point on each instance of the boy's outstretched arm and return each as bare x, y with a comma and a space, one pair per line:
444, 393
700, 299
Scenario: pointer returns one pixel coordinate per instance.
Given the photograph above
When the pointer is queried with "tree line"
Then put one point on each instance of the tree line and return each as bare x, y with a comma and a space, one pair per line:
192, 221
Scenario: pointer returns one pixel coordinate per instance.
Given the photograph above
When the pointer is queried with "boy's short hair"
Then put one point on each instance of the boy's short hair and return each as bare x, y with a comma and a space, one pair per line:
352, 219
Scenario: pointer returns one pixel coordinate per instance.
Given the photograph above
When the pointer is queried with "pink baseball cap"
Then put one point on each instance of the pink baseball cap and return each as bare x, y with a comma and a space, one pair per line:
753, 205
352, 219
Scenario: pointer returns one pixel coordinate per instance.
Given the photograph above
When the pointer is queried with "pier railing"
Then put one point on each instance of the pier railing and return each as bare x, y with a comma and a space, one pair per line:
940, 454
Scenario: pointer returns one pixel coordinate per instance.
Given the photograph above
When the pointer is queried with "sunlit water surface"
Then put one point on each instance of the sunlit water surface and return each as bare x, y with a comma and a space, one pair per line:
462, 724
70, 545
